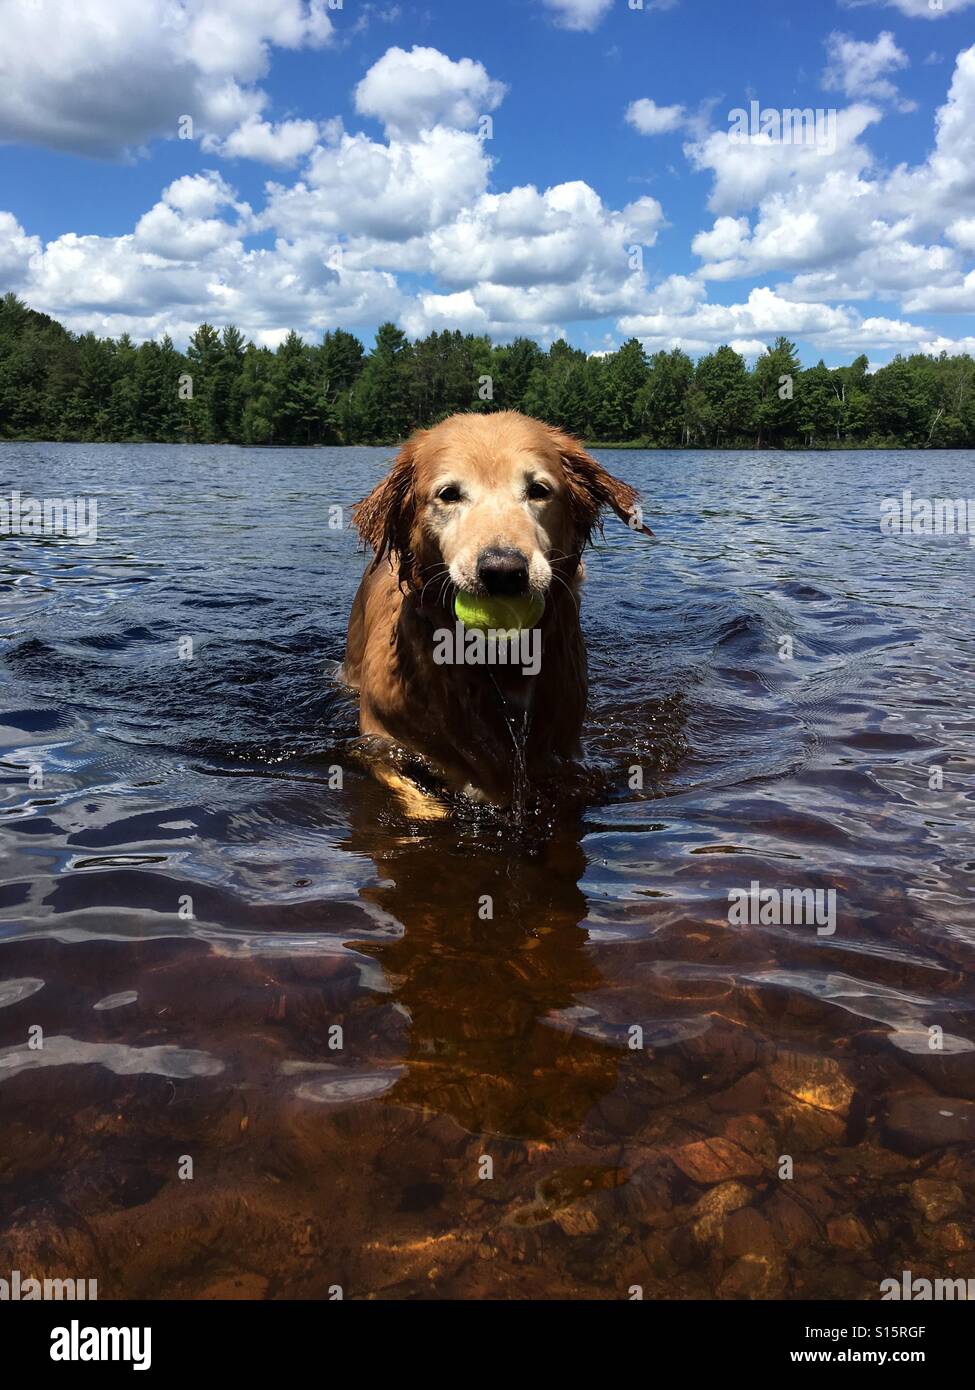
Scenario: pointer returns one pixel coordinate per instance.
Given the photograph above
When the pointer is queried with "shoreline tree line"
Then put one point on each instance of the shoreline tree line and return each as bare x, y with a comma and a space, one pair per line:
58, 385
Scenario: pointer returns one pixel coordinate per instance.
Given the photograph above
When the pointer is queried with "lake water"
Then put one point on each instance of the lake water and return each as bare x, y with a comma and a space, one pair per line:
608, 1085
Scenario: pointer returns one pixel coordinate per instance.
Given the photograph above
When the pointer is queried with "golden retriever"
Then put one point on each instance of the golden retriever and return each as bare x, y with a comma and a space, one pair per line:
493, 506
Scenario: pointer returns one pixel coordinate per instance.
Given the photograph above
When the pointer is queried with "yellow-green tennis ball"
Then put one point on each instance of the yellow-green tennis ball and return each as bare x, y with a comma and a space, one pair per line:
509, 614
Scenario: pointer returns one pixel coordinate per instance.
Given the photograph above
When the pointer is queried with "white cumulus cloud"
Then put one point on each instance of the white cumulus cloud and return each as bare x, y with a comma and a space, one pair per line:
648, 118
415, 91
107, 77
917, 9
393, 191
282, 143
580, 15
414, 224
858, 69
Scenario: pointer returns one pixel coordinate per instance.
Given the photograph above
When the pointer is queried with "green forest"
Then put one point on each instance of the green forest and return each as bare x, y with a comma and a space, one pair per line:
58, 385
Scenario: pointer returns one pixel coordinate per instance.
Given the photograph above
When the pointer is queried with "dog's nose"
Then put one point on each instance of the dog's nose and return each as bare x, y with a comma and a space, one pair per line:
503, 571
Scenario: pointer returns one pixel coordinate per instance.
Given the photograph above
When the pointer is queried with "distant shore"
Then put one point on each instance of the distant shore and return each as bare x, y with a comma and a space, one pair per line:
633, 445
79, 388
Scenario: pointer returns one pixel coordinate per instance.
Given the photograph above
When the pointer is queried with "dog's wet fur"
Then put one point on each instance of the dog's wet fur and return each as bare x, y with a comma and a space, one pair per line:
497, 505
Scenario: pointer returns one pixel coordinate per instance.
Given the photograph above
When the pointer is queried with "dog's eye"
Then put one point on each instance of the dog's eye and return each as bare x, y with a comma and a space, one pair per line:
537, 492
450, 493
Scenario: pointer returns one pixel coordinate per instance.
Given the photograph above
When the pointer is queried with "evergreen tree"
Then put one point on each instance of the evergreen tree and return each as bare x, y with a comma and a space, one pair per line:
299, 401
257, 396
899, 406
225, 407
513, 369
567, 398
625, 375
729, 392
536, 400
775, 379
340, 363
204, 354
817, 405
660, 402
59, 385
382, 395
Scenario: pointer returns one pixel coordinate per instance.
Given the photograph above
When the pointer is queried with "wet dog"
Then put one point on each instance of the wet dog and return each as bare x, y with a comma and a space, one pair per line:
498, 507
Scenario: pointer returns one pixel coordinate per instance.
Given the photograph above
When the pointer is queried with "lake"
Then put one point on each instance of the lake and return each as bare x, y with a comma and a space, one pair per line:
256, 1038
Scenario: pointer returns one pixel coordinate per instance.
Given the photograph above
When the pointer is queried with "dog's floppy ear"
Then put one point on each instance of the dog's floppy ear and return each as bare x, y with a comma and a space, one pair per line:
385, 518
592, 488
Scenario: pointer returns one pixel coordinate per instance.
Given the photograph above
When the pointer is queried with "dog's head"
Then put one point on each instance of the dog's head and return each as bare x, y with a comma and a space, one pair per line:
496, 502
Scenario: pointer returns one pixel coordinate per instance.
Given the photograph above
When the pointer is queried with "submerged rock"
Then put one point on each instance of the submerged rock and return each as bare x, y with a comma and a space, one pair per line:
954, 1238
47, 1240
714, 1160
710, 1212
704, 1229
753, 1276
815, 1081
914, 1124
949, 1068
848, 1233
746, 1232
792, 1225
936, 1200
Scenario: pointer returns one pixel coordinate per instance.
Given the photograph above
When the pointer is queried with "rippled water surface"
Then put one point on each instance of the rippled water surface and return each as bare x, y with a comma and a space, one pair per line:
243, 957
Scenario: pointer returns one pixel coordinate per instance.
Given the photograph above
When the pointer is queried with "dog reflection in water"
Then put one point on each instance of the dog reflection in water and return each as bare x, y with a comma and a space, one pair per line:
480, 988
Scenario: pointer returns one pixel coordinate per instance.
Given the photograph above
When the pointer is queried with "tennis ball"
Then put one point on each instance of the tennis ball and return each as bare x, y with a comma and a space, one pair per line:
503, 614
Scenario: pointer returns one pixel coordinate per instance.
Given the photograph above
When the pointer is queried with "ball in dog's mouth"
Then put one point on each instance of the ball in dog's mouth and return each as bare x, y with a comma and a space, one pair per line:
512, 613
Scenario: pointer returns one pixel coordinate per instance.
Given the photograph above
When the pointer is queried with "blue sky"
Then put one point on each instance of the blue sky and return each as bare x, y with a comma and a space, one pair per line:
337, 174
